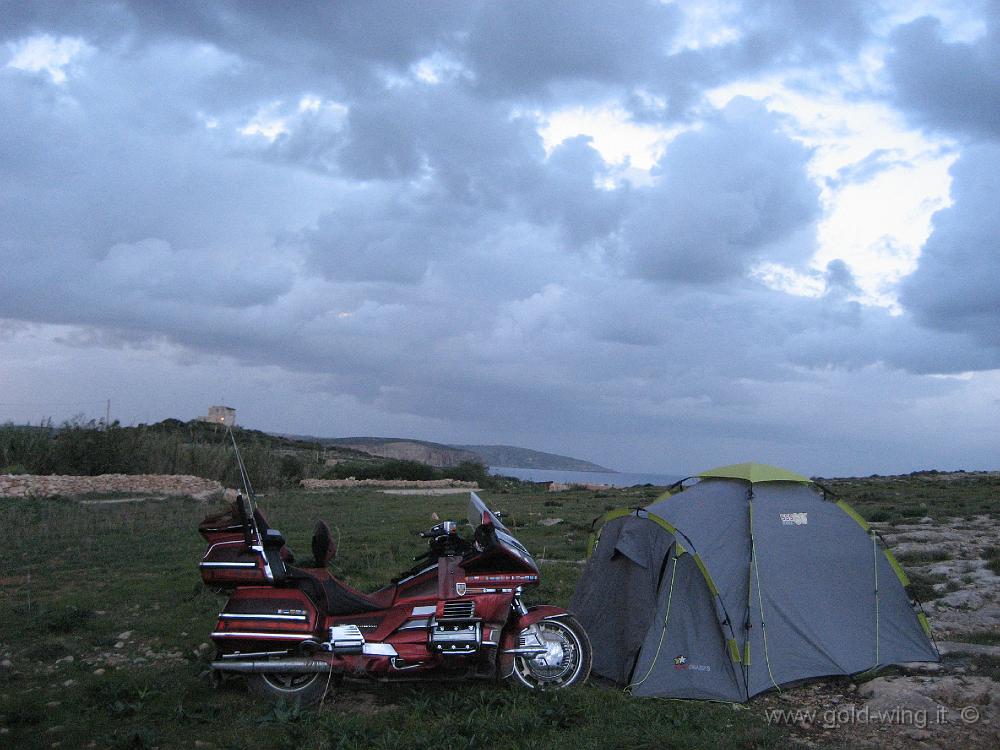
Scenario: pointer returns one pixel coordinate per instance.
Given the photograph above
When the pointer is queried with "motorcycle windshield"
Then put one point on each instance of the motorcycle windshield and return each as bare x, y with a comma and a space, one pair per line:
476, 513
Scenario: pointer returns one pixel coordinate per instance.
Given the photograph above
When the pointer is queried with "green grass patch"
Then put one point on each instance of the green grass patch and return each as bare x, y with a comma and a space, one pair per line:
133, 566
903, 499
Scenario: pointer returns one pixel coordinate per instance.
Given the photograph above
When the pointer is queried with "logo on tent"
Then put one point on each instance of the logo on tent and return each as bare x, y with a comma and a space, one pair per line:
681, 662
794, 519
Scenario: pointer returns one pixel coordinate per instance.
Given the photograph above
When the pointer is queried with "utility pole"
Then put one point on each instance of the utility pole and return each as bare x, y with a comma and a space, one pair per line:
107, 415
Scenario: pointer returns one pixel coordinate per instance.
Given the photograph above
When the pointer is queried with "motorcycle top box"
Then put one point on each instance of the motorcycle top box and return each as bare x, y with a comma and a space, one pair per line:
290, 627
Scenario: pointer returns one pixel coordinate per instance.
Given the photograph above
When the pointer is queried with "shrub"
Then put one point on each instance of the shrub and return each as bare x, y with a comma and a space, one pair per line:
922, 557
469, 471
290, 468
388, 469
922, 586
880, 515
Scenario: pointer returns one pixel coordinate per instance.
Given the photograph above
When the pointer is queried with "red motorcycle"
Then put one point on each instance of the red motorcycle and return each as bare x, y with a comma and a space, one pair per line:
459, 613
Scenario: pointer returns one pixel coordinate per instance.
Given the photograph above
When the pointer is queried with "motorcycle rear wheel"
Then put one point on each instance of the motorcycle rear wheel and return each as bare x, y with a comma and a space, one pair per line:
293, 687
566, 662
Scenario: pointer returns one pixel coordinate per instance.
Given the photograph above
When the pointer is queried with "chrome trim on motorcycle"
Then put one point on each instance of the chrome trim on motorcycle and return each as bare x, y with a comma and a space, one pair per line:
415, 624
259, 548
517, 604
462, 609
242, 616
525, 651
451, 638
344, 639
279, 666
253, 654
379, 649
275, 636
400, 665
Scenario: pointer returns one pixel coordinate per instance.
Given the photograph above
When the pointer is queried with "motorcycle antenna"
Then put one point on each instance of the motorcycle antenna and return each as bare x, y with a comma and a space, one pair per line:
244, 475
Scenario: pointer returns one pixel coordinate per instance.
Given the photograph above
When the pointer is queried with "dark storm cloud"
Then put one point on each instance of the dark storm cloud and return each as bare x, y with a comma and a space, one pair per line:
793, 32
345, 44
956, 286
473, 149
443, 171
727, 192
410, 243
839, 279
769, 36
952, 86
523, 48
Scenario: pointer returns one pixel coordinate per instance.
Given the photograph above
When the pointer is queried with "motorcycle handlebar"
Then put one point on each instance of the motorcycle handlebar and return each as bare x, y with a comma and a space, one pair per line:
441, 529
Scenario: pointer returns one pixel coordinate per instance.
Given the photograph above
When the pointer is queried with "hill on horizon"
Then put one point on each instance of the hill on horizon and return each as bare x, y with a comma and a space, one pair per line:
444, 455
526, 458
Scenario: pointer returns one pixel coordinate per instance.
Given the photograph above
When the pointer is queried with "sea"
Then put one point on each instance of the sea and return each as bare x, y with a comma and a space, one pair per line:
615, 479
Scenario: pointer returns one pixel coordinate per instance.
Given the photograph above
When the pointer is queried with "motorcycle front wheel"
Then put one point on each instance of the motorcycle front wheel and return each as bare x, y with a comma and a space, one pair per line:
305, 688
567, 656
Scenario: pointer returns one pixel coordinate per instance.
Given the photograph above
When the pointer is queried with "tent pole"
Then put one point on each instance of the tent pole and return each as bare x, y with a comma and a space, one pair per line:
875, 567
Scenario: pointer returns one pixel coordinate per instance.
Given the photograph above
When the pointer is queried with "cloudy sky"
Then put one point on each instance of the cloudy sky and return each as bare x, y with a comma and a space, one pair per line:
660, 236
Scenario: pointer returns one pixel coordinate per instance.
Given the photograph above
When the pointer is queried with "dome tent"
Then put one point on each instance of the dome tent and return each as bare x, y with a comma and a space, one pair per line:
749, 579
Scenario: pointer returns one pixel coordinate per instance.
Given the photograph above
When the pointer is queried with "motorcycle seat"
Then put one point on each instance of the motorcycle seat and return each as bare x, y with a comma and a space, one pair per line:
331, 596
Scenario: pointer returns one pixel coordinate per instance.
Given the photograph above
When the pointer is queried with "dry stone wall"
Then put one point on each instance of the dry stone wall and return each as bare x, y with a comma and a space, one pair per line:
34, 485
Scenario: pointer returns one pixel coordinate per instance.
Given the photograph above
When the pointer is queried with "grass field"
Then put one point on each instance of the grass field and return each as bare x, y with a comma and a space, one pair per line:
103, 617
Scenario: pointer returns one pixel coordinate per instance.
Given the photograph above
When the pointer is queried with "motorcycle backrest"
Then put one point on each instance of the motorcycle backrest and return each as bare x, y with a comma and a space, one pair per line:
324, 549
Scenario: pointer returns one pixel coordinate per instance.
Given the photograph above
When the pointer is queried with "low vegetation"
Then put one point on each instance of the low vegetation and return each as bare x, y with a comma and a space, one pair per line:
992, 557
201, 449
467, 471
103, 619
908, 498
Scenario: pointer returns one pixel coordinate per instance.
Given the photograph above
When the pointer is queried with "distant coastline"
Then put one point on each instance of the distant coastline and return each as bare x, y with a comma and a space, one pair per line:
611, 478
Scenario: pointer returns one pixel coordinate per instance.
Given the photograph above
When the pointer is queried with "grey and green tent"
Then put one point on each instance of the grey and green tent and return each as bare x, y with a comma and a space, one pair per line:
747, 580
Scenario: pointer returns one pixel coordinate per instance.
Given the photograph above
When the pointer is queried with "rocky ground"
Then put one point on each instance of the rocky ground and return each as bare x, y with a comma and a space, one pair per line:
953, 558
954, 704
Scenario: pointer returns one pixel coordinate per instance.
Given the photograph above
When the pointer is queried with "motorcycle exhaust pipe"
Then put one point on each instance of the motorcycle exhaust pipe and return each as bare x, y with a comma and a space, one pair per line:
272, 666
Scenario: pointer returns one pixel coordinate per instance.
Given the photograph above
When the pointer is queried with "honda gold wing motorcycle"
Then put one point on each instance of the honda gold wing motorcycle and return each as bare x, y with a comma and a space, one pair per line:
459, 613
